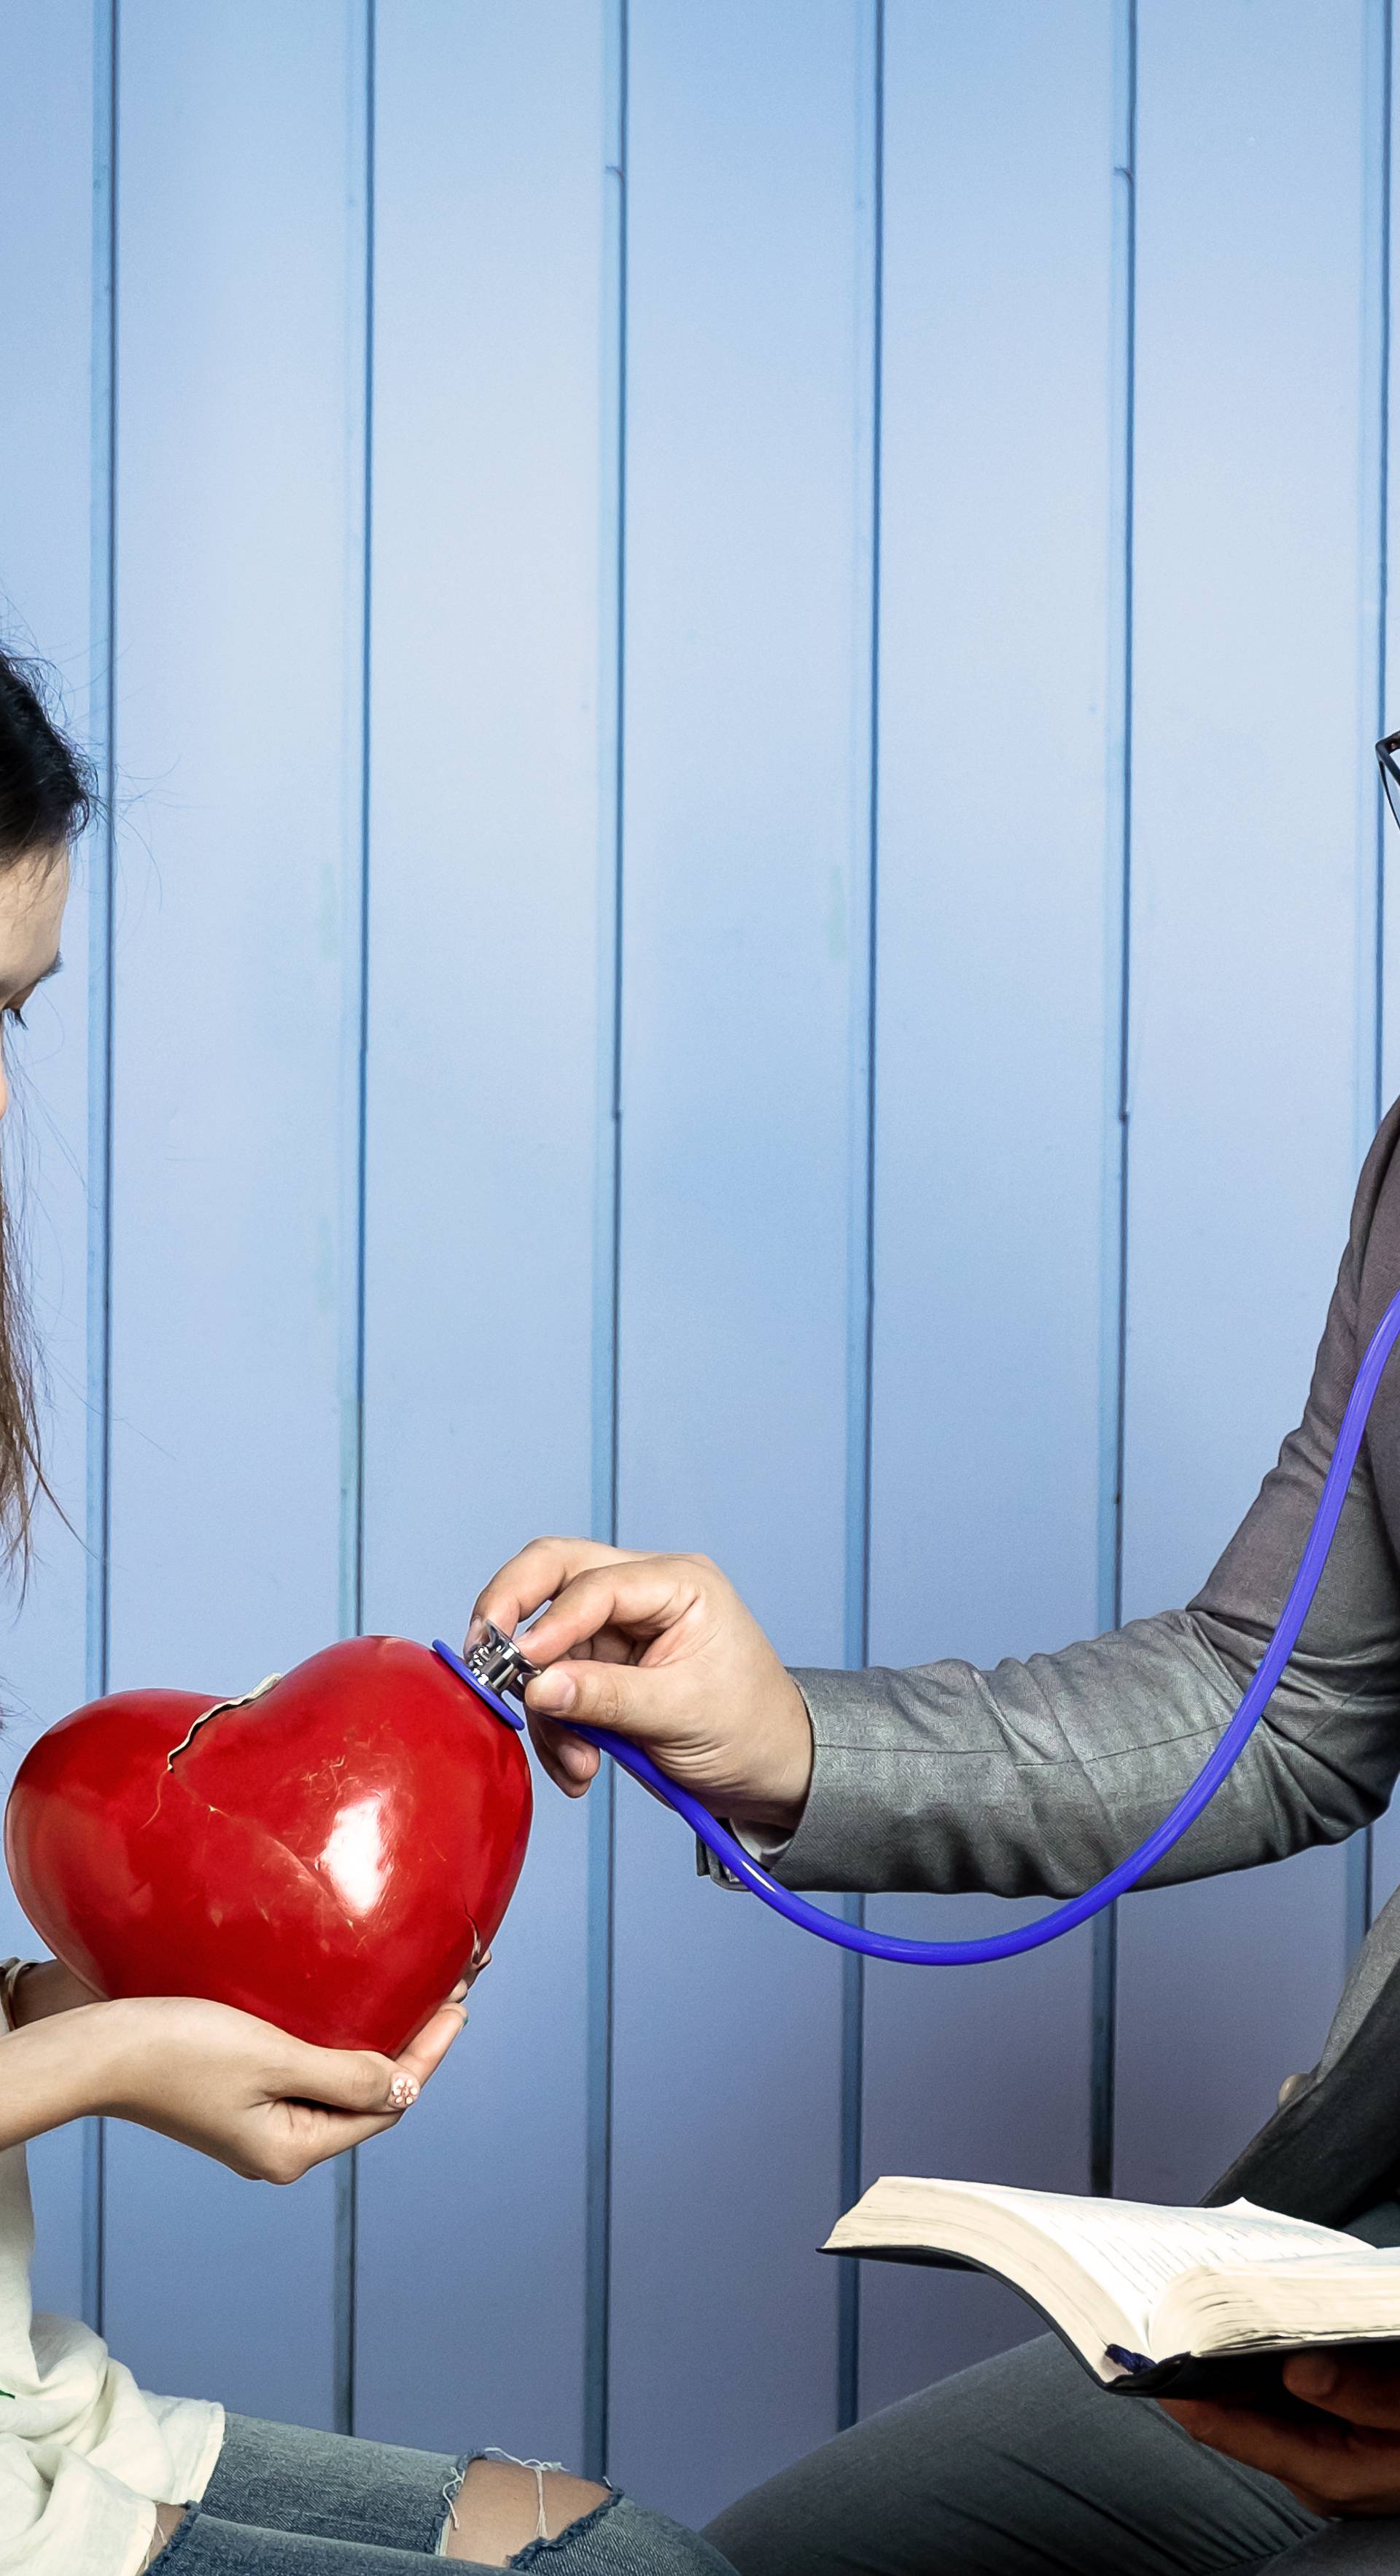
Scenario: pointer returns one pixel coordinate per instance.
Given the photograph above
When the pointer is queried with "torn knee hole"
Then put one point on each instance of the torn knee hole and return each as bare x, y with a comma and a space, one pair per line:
502, 2504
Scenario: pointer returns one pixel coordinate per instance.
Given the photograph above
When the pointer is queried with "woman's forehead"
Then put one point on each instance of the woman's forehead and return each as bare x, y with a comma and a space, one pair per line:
32, 896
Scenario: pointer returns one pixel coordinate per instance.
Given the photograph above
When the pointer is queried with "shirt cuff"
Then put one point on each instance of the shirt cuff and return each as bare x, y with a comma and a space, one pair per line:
763, 1843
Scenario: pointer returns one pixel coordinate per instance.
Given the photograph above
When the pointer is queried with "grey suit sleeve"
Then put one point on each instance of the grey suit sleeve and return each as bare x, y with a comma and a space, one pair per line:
1038, 1776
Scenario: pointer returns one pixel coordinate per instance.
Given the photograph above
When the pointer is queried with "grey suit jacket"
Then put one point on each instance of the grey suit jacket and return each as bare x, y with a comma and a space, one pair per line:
1038, 1776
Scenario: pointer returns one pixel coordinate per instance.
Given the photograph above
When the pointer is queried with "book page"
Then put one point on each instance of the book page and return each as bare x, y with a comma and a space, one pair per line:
1322, 2299
1098, 2267
1140, 2248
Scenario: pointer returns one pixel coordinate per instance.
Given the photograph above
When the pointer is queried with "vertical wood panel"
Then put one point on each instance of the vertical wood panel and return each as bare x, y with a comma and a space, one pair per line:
46, 329
997, 1023
1251, 883
743, 988
485, 874
239, 477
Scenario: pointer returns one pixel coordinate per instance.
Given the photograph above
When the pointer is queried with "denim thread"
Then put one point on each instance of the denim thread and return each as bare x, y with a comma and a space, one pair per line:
453, 2488
536, 2552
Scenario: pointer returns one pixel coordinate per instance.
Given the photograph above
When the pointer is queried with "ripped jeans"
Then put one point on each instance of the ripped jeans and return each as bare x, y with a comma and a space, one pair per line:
283, 2502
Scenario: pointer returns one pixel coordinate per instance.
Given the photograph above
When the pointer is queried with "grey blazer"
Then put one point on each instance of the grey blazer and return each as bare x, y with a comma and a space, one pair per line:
1037, 1777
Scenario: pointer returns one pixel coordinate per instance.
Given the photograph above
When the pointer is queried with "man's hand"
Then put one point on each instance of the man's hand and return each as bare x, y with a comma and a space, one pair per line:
662, 1649
1345, 2460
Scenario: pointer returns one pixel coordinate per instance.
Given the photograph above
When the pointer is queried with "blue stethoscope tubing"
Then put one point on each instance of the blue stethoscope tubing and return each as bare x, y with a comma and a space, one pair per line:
1078, 1909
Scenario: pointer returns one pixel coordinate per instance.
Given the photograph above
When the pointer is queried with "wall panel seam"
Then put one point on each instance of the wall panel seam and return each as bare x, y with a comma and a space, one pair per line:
102, 867
607, 1324
860, 1394
345, 2230
1375, 500
1104, 1971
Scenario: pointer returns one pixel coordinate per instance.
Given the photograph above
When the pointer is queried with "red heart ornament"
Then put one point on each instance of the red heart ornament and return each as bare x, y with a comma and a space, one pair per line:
325, 1853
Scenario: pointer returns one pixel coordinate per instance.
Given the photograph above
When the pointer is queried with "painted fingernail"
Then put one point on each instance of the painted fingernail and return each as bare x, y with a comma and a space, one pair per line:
553, 1693
403, 2092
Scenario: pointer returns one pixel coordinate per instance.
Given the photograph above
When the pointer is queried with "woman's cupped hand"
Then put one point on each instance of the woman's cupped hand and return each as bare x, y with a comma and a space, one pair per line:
235, 2088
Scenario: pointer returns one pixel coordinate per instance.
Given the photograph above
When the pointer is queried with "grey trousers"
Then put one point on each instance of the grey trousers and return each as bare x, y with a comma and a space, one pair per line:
1022, 2467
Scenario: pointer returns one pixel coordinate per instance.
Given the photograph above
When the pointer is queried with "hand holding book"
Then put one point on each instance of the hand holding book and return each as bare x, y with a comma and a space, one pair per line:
1341, 2456
1285, 2335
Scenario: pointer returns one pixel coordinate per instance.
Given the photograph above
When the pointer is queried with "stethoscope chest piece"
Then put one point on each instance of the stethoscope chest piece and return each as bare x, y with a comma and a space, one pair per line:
495, 1665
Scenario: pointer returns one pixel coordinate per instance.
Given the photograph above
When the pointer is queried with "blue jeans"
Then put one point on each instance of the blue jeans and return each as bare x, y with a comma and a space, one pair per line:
283, 2502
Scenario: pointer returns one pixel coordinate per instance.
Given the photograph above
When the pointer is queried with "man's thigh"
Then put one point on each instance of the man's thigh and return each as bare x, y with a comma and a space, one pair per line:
1345, 2549
1020, 2467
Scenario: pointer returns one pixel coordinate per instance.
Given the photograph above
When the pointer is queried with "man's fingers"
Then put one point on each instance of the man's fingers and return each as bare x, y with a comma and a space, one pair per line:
1363, 2388
1256, 2440
570, 1763
632, 1698
649, 1595
1324, 2459
534, 1576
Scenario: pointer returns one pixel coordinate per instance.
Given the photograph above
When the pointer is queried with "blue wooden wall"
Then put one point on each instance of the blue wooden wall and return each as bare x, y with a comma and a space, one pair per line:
737, 651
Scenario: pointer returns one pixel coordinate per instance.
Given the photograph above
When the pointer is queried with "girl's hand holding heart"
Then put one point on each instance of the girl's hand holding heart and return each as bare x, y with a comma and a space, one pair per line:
267, 2105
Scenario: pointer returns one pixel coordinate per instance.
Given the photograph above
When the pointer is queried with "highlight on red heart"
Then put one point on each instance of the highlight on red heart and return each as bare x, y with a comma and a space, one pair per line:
327, 1852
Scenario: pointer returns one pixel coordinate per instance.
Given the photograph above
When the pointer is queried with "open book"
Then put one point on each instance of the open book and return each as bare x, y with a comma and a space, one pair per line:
1150, 2298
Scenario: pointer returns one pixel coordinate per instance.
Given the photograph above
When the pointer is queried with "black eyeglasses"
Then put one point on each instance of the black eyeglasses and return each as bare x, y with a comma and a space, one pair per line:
1388, 754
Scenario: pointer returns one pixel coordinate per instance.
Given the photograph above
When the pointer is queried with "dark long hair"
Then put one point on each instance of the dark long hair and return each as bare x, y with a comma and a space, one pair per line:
47, 797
